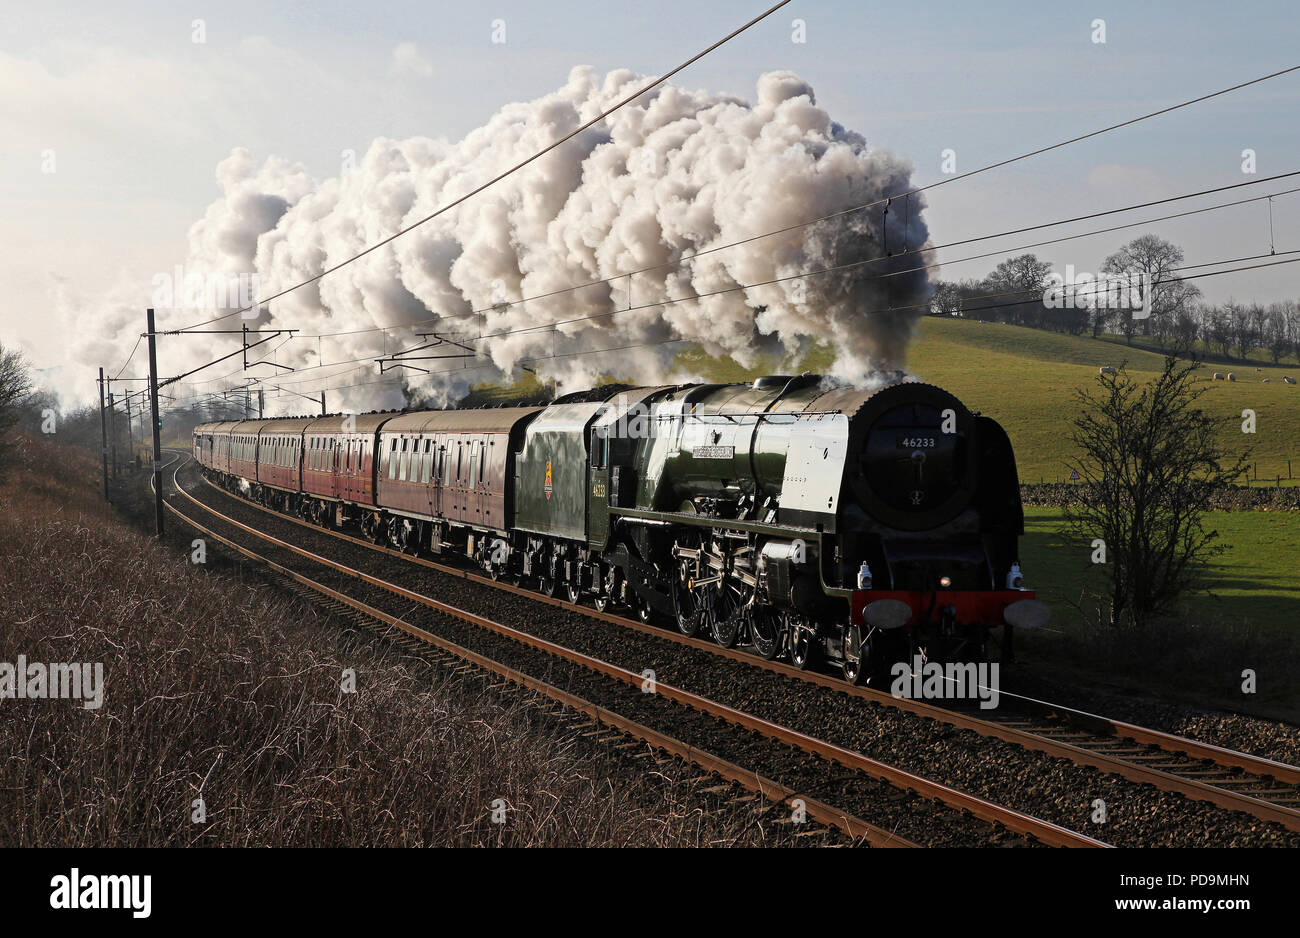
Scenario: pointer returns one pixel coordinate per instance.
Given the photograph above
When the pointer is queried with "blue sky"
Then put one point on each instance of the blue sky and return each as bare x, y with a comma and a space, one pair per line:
139, 115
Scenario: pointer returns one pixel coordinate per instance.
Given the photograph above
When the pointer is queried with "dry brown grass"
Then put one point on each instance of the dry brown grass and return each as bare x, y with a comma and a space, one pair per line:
231, 692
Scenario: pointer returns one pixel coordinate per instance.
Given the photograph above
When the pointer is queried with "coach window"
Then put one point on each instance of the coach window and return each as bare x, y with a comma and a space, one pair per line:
426, 463
473, 463
482, 464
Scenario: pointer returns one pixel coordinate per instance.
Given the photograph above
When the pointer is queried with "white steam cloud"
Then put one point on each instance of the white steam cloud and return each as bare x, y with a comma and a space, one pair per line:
673, 174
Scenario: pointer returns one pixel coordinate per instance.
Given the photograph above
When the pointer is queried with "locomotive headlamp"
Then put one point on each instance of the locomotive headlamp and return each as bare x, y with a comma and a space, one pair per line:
945, 582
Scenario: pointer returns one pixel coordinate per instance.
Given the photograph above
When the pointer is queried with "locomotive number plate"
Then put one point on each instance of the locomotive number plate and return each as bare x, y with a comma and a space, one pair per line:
916, 442
713, 452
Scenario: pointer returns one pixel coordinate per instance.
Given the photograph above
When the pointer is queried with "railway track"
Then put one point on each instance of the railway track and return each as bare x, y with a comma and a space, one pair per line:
1234, 781
902, 784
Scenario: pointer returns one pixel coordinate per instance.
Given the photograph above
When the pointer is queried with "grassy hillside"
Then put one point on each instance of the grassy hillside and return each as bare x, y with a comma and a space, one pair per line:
1026, 379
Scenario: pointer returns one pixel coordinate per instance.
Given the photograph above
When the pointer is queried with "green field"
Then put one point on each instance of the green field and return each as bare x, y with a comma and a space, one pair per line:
1245, 618
1026, 379
1253, 583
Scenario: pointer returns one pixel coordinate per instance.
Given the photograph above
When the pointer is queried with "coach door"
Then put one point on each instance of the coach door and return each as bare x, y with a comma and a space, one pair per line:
440, 467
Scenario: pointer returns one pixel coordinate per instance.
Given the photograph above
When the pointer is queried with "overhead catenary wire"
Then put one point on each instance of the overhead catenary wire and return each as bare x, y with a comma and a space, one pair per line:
543, 327
649, 87
934, 185
134, 349
513, 169
923, 249
1008, 293
904, 308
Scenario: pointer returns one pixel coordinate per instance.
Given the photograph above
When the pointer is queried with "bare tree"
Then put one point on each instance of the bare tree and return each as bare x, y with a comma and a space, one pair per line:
1275, 336
1149, 456
1023, 278
14, 387
946, 300
1159, 258
1218, 330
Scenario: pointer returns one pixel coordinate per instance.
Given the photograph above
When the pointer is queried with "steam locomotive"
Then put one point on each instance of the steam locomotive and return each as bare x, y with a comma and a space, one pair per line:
799, 518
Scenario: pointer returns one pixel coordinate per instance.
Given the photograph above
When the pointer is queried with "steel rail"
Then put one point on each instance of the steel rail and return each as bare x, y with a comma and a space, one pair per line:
1130, 770
1045, 831
820, 811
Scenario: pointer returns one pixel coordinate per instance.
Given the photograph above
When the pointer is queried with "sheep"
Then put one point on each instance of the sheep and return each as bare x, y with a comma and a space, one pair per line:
1231, 376
1107, 370
1218, 376
1288, 379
